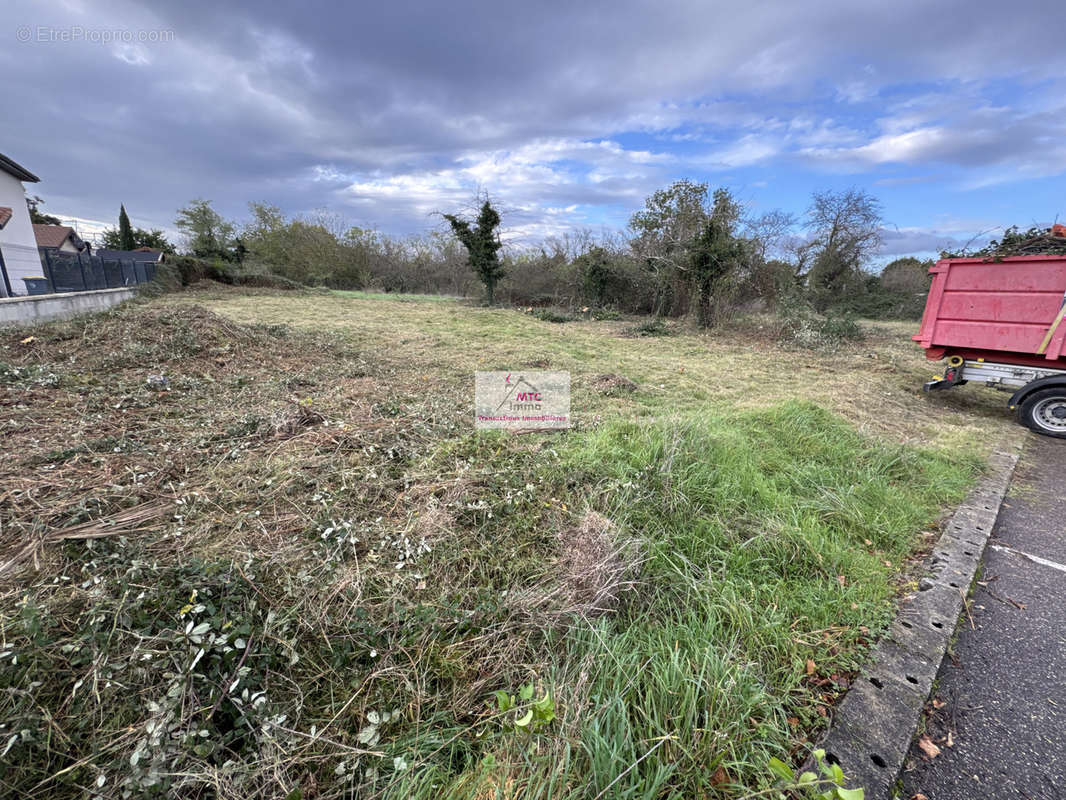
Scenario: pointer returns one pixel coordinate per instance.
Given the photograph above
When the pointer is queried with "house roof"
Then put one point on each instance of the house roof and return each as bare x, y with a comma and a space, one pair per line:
5, 215
23, 174
53, 235
141, 255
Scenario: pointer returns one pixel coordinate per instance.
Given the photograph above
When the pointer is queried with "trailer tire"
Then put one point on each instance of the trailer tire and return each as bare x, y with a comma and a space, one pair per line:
1044, 412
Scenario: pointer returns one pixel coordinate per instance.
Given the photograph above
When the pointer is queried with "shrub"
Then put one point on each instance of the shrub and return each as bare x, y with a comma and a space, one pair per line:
802, 326
548, 315
605, 315
265, 280
652, 327
190, 270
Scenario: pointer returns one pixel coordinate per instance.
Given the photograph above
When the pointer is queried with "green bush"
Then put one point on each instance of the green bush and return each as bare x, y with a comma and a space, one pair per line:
605, 315
548, 315
802, 326
652, 327
189, 270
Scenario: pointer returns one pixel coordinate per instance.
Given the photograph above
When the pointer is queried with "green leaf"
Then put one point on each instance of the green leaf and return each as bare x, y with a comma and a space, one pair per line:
545, 717
526, 692
525, 719
807, 777
851, 794
837, 774
781, 769
503, 700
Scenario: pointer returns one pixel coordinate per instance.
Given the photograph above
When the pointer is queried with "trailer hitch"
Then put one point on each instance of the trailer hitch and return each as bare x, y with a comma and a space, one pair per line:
952, 377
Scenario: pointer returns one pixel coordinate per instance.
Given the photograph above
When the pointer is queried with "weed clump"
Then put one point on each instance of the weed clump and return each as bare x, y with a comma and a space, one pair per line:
550, 315
612, 385
803, 327
596, 566
651, 327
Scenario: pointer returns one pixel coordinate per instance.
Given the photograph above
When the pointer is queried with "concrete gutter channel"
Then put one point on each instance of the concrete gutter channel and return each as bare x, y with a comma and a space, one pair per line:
875, 723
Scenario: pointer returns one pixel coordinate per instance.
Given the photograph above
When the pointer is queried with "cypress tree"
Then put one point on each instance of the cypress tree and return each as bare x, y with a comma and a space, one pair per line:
125, 231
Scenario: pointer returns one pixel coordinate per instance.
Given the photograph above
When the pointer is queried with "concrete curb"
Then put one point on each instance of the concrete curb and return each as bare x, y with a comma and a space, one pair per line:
875, 723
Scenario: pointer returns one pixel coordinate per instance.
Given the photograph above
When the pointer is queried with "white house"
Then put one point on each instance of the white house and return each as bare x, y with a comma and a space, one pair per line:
18, 246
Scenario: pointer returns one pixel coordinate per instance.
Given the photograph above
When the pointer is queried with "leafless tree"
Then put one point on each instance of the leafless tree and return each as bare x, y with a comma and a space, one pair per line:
769, 233
845, 230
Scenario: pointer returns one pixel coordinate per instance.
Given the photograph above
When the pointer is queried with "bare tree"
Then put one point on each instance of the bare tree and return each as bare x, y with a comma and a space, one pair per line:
845, 230
769, 233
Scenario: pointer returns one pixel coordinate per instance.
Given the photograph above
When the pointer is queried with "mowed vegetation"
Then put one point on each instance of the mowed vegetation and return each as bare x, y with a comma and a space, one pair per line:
252, 547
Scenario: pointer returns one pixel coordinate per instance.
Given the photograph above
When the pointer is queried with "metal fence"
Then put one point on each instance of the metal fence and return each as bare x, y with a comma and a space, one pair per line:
69, 272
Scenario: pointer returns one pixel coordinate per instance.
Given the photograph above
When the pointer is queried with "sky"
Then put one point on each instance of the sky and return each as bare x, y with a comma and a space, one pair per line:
952, 114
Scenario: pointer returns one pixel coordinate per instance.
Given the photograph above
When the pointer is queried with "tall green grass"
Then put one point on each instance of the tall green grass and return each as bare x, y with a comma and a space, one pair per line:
770, 540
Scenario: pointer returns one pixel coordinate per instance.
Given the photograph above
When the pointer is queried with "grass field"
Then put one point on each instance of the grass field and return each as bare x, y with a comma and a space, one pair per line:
294, 570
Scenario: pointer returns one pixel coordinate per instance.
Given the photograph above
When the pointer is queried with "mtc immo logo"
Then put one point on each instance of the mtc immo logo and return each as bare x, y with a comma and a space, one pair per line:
515, 399
522, 400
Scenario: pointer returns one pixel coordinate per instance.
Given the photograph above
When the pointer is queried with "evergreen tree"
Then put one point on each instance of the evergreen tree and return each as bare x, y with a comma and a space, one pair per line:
155, 239
125, 231
482, 243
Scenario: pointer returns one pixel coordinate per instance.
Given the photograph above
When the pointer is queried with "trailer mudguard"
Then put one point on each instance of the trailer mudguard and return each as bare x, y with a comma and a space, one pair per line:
1033, 386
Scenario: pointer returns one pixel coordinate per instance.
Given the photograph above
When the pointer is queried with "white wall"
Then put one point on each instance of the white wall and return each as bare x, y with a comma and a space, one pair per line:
28, 310
17, 244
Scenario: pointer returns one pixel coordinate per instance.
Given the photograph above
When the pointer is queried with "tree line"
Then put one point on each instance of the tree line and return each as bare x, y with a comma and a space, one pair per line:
689, 250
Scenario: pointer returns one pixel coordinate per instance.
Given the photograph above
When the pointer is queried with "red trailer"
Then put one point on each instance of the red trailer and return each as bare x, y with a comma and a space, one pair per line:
1001, 323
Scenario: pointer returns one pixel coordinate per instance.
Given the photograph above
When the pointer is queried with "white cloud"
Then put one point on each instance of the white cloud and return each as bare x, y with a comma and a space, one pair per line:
541, 179
746, 151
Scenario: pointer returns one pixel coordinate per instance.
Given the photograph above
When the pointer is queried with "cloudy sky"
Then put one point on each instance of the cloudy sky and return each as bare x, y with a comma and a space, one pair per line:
569, 113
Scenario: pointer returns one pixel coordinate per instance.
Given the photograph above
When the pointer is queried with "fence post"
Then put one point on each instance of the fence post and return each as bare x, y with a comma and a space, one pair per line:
46, 265
81, 266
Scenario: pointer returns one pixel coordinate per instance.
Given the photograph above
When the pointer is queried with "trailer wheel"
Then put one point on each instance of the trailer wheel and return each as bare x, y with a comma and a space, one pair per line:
1045, 412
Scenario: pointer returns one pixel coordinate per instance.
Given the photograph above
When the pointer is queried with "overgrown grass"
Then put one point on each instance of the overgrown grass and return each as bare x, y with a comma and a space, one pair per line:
311, 575
768, 543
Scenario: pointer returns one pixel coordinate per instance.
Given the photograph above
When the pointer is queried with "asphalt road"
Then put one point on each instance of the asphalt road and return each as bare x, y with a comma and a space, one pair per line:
1001, 691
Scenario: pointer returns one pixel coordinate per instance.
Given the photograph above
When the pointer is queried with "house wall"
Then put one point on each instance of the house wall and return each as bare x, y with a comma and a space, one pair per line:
68, 247
17, 243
